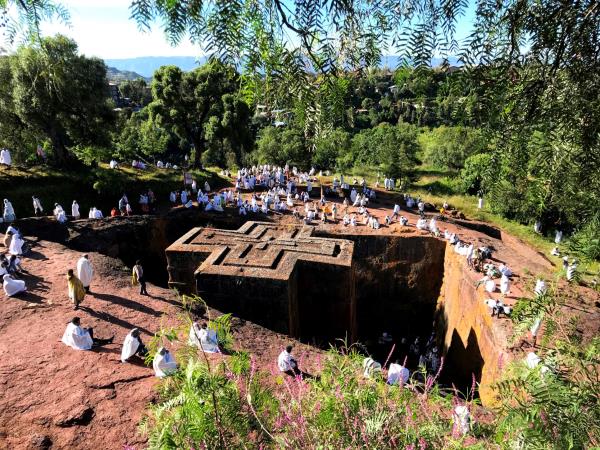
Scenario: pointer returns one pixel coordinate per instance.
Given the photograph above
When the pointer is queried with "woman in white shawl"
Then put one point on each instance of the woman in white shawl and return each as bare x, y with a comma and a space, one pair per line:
9, 212
13, 287
133, 345
164, 363
203, 337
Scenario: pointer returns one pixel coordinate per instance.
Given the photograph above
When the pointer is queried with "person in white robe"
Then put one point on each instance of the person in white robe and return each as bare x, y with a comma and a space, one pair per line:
571, 270
462, 420
75, 210
59, 213
5, 157
535, 328
422, 224
164, 363
505, 270
173, 197
206, 186
133, 345
537, 226
9, 212
480, 203
98, 214
287, 364
397, 374
79, 338
203, 337
555, 252
37, 206
371, 368
184, 197
540, 288
558, 237
113, 164
13, 287
504, 285
16, 245
85, 272
92, 214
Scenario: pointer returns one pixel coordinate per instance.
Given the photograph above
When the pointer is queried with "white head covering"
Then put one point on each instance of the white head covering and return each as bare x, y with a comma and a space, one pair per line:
163, 364
130, 346
77, 338
12, 286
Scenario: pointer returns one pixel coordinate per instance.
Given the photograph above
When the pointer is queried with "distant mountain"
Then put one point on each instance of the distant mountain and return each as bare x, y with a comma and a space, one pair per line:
117, 75
146, 65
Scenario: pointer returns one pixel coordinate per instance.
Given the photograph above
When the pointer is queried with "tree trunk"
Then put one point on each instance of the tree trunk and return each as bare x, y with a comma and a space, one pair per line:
62, 156
198, 149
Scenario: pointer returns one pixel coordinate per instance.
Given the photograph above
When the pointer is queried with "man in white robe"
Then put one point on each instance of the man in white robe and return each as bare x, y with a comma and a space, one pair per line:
133, 345
13, 287
397, 374
59, 213
16, 245
85, 272
37, 206
164, 364
75, 210
462, 420
5, 157
9, 212
203, 337
98, 214
504, 285
81, 338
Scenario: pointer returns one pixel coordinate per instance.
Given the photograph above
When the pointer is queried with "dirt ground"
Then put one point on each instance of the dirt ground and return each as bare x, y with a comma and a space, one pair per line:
54, 396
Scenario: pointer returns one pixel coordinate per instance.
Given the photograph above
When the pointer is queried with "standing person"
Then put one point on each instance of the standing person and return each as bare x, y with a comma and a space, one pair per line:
37, 206
85, 272
138, 277
75, 210
9, 212
76, 289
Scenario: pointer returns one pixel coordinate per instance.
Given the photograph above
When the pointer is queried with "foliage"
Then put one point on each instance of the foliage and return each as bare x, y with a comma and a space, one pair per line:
281, 146
556, 404
60, 95
586, 241
139, 137
392, 149
137, 91
21, 19
477, 173
328, 146
449, 147
201, 108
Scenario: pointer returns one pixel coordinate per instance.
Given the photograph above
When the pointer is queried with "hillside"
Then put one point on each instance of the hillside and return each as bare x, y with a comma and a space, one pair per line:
116, 75
146, 65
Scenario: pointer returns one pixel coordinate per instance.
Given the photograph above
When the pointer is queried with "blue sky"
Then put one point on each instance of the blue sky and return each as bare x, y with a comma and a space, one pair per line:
103, 28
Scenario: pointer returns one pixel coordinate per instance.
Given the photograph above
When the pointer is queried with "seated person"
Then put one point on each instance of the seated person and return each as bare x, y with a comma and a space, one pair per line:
16, 245
133, 345
397, 374
14, 265
13, 287
422, 224
81, 338
371, 368
555, 252
403, 221
505, 270
203, 337
287, 364
164, 364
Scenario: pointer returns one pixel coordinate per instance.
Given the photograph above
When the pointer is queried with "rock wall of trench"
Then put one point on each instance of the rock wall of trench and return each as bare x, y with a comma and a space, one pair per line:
471, 343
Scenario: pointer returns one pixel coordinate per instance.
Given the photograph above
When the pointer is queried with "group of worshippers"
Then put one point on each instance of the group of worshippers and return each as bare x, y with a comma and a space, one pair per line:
59, 213
163, 362
10, 263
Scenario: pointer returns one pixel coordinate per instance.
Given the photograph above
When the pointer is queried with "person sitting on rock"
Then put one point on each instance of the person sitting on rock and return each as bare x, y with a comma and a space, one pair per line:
164, 364
397, 374
82, 338
13, 287
203, 337
133, 345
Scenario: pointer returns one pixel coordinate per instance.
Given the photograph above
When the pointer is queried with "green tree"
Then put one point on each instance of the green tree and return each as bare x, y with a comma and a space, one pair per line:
281, 146
61, 95
328, 146
137, 91
391, 149
201, 107
449, 147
